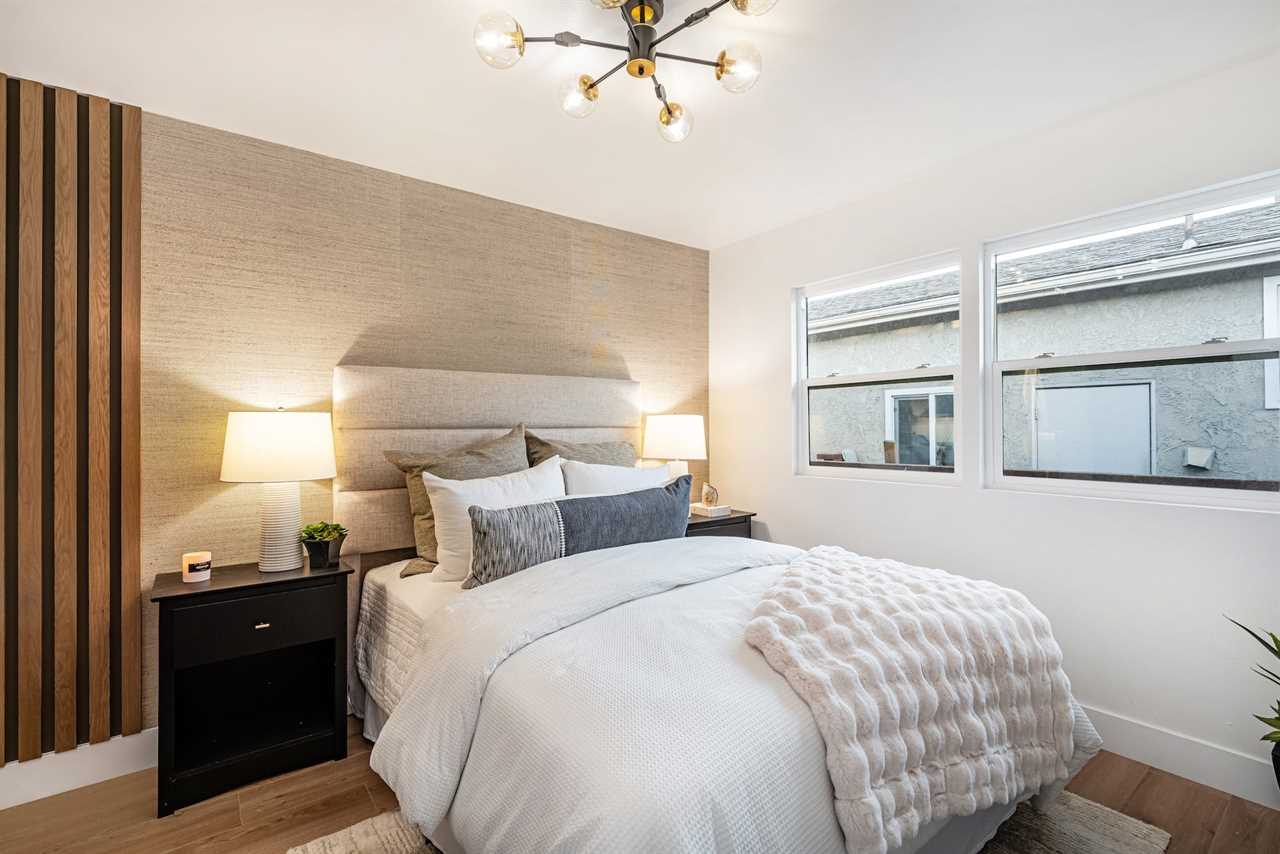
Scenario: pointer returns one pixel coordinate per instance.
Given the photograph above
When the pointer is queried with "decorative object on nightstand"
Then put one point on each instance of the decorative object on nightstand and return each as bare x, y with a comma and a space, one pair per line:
676, 439
710, 505
278, 449
196, 566
253, 677
324, 543
736, 524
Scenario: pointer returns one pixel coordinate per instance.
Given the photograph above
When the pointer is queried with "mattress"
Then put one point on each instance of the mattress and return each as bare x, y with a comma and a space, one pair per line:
389, 632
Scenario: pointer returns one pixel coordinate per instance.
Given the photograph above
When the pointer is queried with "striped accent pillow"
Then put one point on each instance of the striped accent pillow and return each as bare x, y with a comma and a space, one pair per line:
506, 541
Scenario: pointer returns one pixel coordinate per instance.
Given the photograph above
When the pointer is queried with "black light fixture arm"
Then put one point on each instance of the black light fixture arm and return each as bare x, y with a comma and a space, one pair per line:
661, 92
612, 71
693, 20
568, 39
711, 62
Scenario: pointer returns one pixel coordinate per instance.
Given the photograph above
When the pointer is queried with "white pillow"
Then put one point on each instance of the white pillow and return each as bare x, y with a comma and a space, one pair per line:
593, 479
451, 498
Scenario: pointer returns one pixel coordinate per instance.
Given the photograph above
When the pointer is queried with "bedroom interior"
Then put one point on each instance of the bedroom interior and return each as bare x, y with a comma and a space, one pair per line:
877, 463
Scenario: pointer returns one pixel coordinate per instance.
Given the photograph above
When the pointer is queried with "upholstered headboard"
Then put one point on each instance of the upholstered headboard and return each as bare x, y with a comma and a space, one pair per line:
433, 411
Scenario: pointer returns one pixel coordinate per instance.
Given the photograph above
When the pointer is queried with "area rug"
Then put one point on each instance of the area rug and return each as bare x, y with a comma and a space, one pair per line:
1072, 825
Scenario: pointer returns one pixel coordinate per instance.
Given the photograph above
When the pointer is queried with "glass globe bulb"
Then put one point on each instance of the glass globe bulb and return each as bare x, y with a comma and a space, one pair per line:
607, 4
675, 124
578, 98
740, 67
499, 39
754, 7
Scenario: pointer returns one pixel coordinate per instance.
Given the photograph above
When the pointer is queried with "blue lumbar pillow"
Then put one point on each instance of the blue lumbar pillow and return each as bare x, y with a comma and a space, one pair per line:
514, 538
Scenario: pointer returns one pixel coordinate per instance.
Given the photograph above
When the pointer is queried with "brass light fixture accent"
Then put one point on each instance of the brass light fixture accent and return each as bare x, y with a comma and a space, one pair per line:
500, 41
641, 67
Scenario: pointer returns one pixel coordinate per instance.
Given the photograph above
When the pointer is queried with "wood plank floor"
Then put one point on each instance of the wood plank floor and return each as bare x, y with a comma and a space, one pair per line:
270, 817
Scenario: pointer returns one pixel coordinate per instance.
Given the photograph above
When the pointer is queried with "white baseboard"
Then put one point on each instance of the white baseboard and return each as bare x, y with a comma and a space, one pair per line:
53, 773
1244, 776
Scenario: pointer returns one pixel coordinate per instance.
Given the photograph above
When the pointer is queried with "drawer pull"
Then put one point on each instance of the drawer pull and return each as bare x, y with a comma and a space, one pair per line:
260, 626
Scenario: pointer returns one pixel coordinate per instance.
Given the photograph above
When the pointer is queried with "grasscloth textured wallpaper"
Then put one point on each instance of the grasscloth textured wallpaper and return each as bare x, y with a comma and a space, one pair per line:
265, 266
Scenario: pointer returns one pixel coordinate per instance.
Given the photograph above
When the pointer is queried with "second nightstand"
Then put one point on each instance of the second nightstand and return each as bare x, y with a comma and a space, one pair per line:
736, 524
253, 677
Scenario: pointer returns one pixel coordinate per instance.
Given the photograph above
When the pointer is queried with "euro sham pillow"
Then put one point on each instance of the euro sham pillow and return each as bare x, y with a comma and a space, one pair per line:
506, 541
450, 500
503, 455
591, 479
601, 453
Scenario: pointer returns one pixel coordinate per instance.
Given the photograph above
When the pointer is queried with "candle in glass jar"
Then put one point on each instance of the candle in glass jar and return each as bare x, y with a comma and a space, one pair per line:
196, 566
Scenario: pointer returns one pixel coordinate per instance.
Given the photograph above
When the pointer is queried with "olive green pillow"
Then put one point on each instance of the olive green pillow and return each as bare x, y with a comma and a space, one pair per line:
491, 457
598, 453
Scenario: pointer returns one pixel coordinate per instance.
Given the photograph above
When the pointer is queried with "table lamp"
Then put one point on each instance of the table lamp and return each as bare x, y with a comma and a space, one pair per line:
676, 439
278, 449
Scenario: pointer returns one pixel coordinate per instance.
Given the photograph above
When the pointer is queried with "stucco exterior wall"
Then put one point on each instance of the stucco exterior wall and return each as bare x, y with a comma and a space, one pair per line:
1218, 405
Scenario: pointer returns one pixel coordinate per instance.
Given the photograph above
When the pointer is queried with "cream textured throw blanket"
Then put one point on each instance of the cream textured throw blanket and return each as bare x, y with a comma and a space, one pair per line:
936, 695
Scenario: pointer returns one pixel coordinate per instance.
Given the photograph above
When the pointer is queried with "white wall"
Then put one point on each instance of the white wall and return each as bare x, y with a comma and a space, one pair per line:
1136, 591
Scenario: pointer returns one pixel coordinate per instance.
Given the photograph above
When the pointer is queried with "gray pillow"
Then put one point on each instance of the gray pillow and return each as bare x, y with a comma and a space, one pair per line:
515, 538
489, 458
601, 453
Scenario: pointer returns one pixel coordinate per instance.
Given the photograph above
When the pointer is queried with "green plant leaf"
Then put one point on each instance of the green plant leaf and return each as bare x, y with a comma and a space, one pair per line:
1273, 647
1266, 674
1274, 723
1273, 737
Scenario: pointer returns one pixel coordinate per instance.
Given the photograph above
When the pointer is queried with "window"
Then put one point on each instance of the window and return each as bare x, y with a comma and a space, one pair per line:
877, 356
1271, 325
1135, 349
919, 426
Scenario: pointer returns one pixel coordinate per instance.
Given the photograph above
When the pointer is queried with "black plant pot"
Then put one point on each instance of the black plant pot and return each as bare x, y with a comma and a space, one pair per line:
324, 554
1275, 761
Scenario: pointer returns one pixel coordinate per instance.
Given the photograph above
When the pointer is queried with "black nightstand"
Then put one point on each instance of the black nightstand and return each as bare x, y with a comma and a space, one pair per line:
736, 524
253, 677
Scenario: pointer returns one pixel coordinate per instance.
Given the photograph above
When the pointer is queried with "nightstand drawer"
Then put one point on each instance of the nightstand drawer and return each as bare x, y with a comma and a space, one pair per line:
732, 528
223, 630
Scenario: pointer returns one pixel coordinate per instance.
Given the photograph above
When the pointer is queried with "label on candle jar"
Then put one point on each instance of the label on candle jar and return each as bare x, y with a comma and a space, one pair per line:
196, 566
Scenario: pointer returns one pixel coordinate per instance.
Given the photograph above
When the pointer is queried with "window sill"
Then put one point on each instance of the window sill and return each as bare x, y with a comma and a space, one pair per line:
1201, 497
882, 473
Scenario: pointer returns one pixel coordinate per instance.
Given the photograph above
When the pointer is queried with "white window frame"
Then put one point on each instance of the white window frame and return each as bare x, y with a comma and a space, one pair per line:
802, 384
1271, 329
994, 369
891, 398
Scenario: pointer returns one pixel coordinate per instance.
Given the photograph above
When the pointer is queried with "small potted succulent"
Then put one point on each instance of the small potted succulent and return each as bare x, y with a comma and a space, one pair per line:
324, 543
1271, 644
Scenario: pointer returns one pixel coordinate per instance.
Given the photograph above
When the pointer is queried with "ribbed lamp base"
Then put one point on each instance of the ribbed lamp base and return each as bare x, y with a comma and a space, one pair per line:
279, 549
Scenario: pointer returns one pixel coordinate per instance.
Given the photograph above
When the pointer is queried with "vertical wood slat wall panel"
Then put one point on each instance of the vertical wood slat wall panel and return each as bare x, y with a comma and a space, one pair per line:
99, 462
4, 230
131, 421
30, 409
65, 457
62, 413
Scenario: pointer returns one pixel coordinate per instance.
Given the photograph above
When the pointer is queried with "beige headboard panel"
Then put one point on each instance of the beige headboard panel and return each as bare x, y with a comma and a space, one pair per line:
433, 411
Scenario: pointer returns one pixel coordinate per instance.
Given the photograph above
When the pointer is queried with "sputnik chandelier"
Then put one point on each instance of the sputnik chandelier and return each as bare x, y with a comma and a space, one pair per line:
501, 41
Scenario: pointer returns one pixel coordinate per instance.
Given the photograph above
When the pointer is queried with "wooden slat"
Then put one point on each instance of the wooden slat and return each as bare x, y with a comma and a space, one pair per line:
131, 421
4, 142
99, 334
30, 408
66, 524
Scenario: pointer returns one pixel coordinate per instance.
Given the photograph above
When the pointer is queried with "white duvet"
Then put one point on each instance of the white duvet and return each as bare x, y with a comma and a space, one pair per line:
608, 702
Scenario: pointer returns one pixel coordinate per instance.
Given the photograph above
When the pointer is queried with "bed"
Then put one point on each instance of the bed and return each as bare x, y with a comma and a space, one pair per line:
639, 720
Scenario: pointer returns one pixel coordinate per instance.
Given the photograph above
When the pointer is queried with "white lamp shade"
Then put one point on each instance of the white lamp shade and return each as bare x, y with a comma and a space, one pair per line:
278, 447
674, 437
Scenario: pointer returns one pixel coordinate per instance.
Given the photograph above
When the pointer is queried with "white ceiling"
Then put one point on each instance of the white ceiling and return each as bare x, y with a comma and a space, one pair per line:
856, 94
